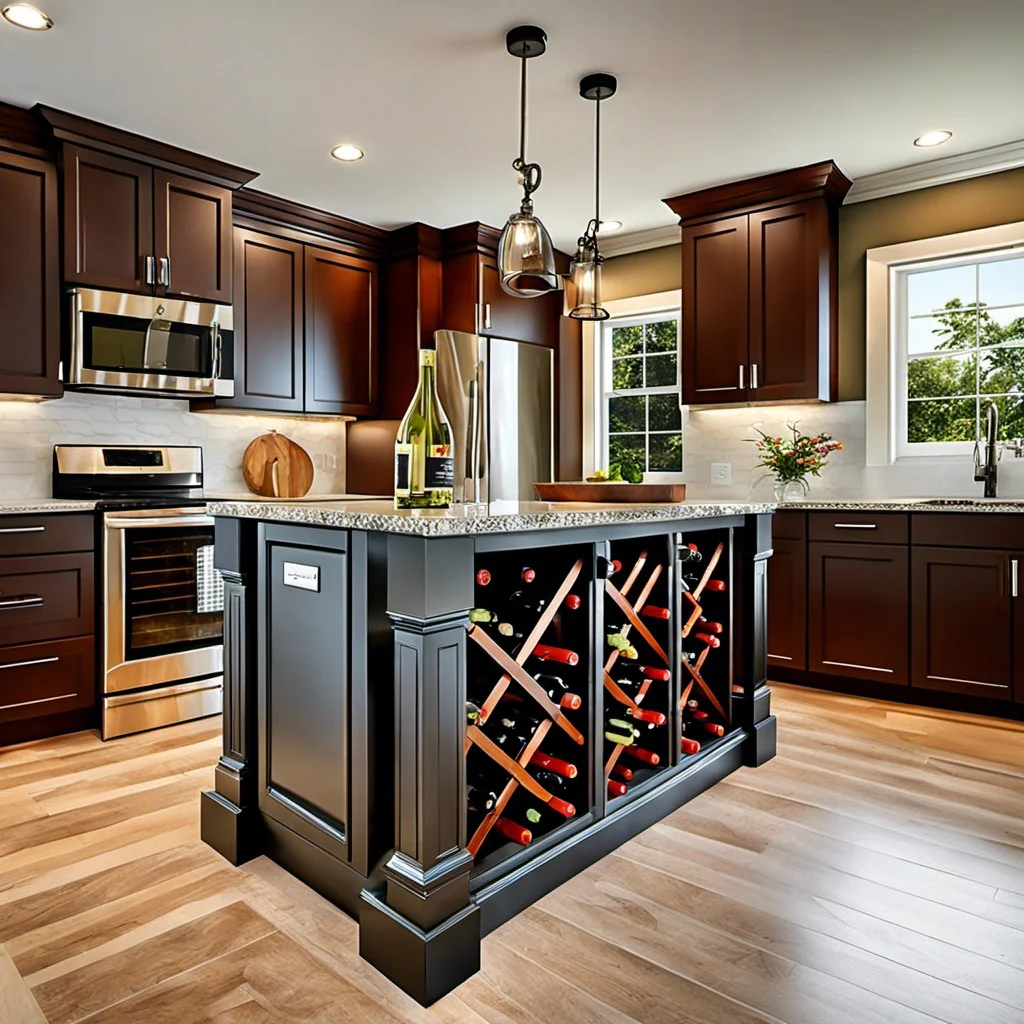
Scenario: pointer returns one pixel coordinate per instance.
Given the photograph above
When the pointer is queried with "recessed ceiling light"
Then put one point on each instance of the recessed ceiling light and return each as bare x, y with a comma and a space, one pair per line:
609, 227
27, 16
933, 139
347, 153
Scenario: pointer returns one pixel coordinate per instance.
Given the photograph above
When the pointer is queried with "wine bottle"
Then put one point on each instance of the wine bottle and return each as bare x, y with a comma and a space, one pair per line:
690, 553
621, 732
483, 577
558, 690
653, 611
617, 788
641, 754
648, 715
424, 460
555, 784
564, 657
622, 772
691, 581
474, 714
607, 567
515, 728
638, 673
524, 603
707, 638
689, 746
527, 575
715, 586
572, 602
510, 830
713, 728
480, 800
554, 764
706, 626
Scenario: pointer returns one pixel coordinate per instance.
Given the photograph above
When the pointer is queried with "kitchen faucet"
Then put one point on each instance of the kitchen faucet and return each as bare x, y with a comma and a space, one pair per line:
988, 471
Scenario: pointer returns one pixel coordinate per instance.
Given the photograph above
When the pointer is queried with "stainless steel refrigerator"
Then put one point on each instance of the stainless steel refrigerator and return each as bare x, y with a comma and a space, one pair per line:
499, 397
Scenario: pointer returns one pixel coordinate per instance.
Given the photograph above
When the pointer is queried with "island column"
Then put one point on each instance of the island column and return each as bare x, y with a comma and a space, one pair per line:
424, 933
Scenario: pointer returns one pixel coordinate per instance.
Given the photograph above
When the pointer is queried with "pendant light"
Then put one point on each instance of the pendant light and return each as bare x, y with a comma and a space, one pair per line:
526, 257
585, 271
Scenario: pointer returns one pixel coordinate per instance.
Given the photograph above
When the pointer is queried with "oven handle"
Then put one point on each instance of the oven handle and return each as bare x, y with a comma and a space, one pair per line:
131, 523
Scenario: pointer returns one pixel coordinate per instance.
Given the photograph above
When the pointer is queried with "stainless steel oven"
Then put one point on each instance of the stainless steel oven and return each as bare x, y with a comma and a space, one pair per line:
148, 344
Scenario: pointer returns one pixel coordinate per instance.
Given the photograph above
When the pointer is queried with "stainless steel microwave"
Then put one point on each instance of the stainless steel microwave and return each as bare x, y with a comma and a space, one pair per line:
144, 344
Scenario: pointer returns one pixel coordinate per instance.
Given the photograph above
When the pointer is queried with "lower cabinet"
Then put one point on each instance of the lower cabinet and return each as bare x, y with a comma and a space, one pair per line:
964, 622
857, 611
46, 679
787, 603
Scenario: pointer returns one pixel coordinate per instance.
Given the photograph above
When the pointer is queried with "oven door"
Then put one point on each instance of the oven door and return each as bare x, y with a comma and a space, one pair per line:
163, 601
141, 343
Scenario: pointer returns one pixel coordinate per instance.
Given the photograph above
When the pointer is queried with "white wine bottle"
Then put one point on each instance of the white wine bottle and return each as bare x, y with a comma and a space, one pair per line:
424, 459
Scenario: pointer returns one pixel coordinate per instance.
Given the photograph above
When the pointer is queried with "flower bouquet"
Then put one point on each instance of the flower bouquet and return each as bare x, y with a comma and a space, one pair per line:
789, 462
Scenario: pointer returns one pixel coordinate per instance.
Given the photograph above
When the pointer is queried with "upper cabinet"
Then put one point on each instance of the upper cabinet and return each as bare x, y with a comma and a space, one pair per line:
759, 288
141, 216
29, 276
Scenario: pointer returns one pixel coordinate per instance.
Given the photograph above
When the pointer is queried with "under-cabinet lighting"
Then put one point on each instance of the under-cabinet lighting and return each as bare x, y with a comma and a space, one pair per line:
933, 139
27, 16
347, 153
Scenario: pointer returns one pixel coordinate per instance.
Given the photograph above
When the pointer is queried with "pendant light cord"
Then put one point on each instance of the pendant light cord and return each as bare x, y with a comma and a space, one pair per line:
530, 172
597, 169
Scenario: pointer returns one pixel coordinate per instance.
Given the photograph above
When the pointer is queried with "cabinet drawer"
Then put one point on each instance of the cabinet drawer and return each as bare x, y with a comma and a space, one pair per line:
789, 525
969, 530
46, 598
45, 534
859, 527
46, 679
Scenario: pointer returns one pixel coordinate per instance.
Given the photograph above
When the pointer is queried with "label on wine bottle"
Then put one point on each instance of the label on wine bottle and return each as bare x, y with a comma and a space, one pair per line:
440, 468
403, 458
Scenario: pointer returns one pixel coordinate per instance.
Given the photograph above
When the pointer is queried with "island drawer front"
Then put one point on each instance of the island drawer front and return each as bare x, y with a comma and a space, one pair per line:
789, 525
969, 529
859, 527
46, 598
46, 679
45, 534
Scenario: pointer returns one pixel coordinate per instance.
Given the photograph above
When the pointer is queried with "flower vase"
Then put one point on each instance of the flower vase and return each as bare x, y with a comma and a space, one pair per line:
787, 491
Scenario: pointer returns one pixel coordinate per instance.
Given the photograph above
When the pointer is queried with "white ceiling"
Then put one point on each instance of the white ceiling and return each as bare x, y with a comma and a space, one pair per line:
709, 91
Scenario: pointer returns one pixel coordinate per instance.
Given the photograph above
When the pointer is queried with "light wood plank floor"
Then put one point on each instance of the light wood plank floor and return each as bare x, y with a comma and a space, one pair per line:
873, 873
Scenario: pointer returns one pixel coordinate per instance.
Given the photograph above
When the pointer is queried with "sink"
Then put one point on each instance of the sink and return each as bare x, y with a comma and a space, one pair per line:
982, 502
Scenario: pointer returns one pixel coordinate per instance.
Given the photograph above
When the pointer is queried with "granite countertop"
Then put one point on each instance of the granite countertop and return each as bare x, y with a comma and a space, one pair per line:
499, 517
1012, 505
37, 505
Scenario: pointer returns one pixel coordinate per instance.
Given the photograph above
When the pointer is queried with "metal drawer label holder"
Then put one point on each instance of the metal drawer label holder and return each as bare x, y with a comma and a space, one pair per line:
305, 577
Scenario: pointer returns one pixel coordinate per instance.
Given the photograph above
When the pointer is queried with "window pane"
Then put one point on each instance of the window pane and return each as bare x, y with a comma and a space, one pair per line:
626, 414
1002, 371
999, 326
956, 329
666, 453
943, 420
661, 371
1011, 415
1002, 282
627, 341
661, 337
941, 376
626, 448
931, 290
627, 374
665, 414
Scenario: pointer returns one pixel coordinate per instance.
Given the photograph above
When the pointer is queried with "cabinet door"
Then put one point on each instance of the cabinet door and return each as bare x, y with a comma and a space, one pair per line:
858, 619
508, 316
268, 323
108, 220
788, 253
714, 314
341, 333
193, 238
787, 604
29, 277
962, 636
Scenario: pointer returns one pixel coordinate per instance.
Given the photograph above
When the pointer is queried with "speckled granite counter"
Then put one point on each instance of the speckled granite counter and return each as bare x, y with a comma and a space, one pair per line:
1011, 505
499, 517
37, 505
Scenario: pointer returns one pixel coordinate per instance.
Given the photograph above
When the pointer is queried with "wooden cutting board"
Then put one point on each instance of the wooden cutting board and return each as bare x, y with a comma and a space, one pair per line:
276, 467
641, 494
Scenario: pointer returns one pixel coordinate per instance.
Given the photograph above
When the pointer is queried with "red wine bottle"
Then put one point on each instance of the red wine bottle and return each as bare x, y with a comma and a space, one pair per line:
648, 715
515, 729
690, 553
715, 586
634, 671
556, 784
480, 800
711, 727
617, 788
607, 567
573, 602
559, 654
554, 764
642, 754
707, 638
511, 830
689, 746
706, 626
558, 690
653, 611
523, 603
527, 575
620, 771
483, 577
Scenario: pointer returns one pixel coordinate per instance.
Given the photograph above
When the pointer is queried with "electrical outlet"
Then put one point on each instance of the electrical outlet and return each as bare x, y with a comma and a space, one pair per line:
721, 472
331, 460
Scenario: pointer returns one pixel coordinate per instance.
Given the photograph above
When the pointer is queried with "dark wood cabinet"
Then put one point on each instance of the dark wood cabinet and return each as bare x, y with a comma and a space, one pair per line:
965, 622
29, 277
857, 611
341, 333
759, 287
787, 604
269, 362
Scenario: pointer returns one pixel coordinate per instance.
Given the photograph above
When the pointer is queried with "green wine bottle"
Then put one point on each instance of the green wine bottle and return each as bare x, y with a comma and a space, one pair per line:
424, 460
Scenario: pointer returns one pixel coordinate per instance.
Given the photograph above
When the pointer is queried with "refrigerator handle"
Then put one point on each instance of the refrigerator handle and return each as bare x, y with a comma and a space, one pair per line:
473, 438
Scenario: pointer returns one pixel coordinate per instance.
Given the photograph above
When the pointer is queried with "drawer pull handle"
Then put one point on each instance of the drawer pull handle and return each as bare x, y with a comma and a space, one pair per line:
26, 601
23, 529
855, 526
41, 700
1014, 582
25, 664
863, 668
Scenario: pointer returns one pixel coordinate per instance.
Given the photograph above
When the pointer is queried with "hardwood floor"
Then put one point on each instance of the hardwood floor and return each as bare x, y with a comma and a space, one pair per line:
872, 873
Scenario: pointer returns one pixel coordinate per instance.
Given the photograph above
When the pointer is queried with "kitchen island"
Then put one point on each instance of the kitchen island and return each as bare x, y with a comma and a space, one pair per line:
424, 718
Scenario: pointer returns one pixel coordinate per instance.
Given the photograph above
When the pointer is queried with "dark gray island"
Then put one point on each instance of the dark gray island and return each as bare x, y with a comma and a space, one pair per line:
352, 757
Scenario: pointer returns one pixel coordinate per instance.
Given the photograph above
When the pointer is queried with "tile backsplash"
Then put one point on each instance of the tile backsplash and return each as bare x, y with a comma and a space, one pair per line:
719, 435
29, 430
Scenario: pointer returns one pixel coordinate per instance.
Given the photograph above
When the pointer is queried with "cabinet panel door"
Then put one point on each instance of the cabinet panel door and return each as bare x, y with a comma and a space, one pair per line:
789, 250
954, 588
268, 323
508, 316
193, 234
108, 220
341, 333
714, 314
857, 619
787, 604
43, 679
29, 277
46, 597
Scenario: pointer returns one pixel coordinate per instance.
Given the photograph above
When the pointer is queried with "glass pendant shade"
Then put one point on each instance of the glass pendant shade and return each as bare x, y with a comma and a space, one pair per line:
526, 257
586, 286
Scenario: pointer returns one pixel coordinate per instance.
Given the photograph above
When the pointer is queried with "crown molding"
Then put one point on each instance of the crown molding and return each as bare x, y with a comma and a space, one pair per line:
637, 241
937, 172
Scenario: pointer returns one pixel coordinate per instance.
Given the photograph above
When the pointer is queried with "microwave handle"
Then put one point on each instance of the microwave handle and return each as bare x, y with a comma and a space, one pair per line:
216, 351
150, 264
165, 271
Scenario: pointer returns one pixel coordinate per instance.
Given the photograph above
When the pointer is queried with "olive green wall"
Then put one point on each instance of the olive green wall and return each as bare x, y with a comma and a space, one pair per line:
961, 206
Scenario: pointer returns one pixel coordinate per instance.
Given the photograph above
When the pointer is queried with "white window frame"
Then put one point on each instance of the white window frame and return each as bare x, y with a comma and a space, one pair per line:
625, 313
887, 268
